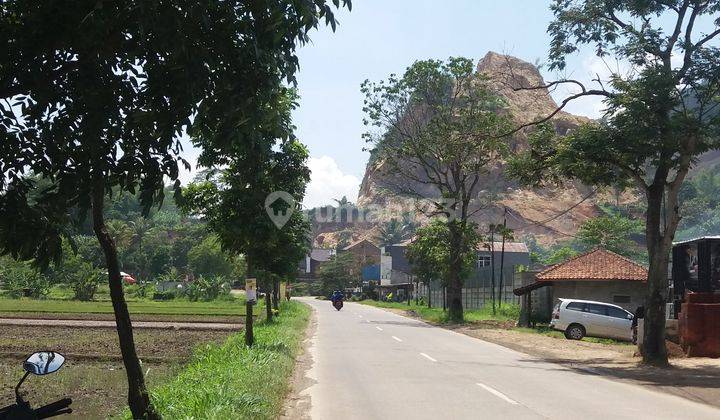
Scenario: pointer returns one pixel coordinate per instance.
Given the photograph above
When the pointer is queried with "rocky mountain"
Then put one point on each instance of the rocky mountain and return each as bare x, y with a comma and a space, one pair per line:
548, 214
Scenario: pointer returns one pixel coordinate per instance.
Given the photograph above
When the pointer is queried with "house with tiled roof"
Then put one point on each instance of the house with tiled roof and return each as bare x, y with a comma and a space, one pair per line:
598, 275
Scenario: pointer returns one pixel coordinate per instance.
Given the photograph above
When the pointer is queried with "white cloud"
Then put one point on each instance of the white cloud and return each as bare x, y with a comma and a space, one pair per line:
328, 182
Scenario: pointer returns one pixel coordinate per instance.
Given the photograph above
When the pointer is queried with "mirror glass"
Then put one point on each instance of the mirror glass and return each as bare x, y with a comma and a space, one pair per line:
44, 362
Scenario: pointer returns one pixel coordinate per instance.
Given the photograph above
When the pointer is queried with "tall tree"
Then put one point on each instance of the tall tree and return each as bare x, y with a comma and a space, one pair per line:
235, 208
440, 127
394, 231
431, 255
659, 119
94, 96
613, 233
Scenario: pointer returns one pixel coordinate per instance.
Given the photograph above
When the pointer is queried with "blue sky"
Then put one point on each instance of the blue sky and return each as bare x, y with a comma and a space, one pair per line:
380, 37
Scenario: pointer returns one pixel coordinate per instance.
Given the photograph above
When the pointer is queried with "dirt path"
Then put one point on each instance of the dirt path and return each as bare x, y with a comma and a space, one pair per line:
68, 323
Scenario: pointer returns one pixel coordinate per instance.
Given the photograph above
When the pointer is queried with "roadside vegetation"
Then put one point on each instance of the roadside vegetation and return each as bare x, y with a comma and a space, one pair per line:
505, 313
231, 380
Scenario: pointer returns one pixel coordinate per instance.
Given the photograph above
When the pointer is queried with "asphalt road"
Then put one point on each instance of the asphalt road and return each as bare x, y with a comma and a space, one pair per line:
372, 364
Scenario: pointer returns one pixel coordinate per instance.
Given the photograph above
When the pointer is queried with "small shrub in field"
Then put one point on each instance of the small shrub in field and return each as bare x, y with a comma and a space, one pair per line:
86, 282
141, 291
166, 295
20, 279
207, 288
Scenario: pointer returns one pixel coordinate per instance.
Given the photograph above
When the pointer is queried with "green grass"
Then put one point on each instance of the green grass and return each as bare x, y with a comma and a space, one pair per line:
550, 332
507, 312
233, 381
234, 307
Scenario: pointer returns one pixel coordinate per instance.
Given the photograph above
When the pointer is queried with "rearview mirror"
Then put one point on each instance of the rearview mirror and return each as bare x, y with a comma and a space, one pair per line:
630, 316
43, 362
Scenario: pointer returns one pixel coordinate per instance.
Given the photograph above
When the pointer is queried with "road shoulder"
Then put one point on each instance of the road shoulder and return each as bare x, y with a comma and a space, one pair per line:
298, 403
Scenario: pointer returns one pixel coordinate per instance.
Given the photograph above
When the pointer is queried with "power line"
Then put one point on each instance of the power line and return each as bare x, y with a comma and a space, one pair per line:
542, 223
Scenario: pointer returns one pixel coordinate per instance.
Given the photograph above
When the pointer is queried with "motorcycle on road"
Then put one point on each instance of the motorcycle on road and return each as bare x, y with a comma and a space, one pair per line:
338, 304
40, 363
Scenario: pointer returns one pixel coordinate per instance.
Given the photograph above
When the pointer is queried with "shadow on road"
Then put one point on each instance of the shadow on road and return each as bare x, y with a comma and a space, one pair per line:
698, 383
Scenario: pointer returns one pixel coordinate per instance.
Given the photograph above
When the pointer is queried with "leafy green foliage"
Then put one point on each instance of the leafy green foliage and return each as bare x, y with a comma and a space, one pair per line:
207, 288
234, 381
396, 230
660, 118
340, 272
700, 204
79, 274
21, 279
430, 253
440, 128
613, 233
234, 204
208, 259
559, 255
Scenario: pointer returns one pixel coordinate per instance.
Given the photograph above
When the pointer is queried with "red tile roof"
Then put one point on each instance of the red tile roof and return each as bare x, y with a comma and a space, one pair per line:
596, 265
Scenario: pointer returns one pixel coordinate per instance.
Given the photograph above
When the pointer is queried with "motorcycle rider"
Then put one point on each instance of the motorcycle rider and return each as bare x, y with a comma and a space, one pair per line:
337, 295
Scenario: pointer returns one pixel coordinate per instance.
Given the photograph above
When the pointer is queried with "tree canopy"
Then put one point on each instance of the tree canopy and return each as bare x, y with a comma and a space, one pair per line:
441, 129
660, 117
94, 97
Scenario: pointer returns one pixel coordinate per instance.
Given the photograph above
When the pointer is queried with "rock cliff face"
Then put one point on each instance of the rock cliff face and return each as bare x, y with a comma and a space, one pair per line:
549, 214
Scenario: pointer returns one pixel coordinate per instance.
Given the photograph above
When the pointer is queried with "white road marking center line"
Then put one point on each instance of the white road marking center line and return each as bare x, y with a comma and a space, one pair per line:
396, 339
379, 329
497, 393
428, 357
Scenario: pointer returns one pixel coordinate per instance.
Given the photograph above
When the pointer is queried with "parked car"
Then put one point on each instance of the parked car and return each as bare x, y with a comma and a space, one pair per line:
580, 318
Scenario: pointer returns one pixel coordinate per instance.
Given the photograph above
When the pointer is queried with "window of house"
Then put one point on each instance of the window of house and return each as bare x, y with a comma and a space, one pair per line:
621, 299
483, 261
576, 306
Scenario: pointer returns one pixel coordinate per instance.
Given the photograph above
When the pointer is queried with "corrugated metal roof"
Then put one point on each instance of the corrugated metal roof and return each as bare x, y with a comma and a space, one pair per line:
518, 247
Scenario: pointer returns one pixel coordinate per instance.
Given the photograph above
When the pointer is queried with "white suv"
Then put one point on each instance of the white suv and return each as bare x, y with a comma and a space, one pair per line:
578, 318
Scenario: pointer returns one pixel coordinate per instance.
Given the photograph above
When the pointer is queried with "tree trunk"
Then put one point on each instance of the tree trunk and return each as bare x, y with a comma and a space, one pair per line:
268, 303
138, 398
653, 349
429, 294
249, 334
276, 295
454, 281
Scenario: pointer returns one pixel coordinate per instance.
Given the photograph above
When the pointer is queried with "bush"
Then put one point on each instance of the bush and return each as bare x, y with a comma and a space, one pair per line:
79, 275
86, 282
20, 279
207, 288
167, 295
141, 291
